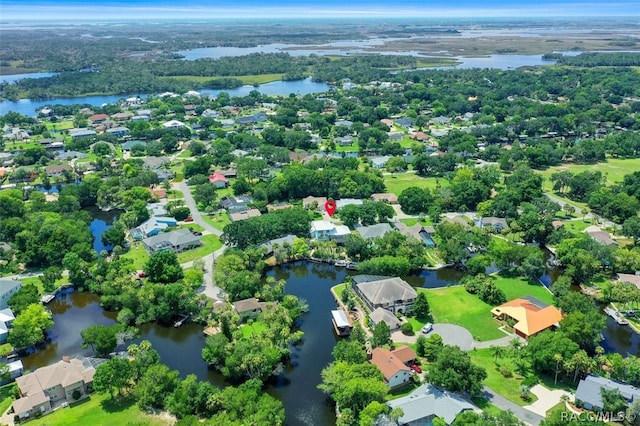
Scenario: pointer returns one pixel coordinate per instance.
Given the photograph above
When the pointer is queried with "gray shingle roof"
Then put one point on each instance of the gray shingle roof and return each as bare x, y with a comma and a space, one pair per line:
589, 390
426, 401
387, 291
374, 231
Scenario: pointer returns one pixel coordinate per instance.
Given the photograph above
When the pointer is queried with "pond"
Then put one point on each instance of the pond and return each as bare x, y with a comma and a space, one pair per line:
102, 220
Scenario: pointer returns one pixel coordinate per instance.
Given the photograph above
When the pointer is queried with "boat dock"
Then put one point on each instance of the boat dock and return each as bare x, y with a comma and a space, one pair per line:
617, 316
341, 322
181, 321
47, 298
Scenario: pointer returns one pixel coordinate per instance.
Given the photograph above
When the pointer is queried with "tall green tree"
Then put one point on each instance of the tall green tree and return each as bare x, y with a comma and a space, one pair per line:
163, 267
454, 371
29, 328
116, 373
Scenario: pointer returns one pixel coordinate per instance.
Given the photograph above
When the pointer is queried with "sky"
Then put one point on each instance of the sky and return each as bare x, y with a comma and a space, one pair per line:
124, 10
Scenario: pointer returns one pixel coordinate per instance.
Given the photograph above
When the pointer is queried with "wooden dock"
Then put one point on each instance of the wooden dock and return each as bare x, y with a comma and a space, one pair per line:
181, 321
617, 316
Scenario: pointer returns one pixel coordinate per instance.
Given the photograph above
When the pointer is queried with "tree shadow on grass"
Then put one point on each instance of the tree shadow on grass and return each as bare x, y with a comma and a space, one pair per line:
117, 403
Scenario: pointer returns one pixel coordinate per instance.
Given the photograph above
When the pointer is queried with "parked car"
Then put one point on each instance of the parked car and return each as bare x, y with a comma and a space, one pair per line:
189, 219
141, 274
416, 368
427, 328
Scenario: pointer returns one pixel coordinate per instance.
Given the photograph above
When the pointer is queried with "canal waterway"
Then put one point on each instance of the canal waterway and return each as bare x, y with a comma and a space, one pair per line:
180, 348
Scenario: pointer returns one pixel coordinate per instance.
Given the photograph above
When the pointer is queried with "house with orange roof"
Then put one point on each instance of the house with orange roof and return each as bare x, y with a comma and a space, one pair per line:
531, 315
395, 372
218, 180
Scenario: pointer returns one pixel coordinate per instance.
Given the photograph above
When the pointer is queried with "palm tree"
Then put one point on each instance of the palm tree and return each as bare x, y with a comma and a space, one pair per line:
497, 352
558, 360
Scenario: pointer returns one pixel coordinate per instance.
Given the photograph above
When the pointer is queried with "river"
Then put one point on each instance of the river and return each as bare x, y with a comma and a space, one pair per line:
302, 87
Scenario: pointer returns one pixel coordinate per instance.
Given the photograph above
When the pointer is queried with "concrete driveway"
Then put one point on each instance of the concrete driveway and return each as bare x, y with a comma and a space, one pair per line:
451, 335
546, 399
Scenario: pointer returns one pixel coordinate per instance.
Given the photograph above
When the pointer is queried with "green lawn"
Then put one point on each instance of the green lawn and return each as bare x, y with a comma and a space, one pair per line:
191, 226
218, 221
577, 226
453, 305
411, 222
507, 387
174, 194
251, 329
210, 243
514, 288
246, 79
613, 169
60, 125
36, 281
100, 410
396, 183
139, 255
185, 154
339, 289
6, 396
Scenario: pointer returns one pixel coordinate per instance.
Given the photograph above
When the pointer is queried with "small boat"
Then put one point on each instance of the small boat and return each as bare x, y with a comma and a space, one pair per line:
617, 316
352, 265
341, 263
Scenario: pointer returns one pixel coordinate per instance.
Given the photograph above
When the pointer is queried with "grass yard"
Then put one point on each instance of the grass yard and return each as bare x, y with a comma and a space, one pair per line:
338, 290
185, 154
508, 387
514, 288
6, 396
413, 221
453, 305
218, 221
191, 226
613, 169
101, 410
59, 125
36, 281
396, 183
577, 226
255, 327
210, 243
138, 254
174, 194
350, 148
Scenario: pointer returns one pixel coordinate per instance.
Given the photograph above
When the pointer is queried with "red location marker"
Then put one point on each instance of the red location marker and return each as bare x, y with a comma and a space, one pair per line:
330, 207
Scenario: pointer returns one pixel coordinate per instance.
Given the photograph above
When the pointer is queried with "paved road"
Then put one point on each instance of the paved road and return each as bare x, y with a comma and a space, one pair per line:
454, 335
209, 288
504, 404
195, 214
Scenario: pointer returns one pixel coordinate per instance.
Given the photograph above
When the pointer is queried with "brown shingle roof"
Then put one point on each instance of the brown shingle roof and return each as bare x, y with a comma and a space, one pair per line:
404, 354
247, 305
387, 362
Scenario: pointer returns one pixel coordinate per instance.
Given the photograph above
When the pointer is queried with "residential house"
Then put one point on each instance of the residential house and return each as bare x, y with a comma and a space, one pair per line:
6, 159
98, 119
497, 223
405, 354
248, 308
404, 122
417, 231
239, 153
157, 209
589, 392
347, 202
172, 124
7, 289
70, 155
382, 315
6, 321
426, 403
395, 372
531, 315
244, 215
176, 241
49, 386
633, 279
311, 202
391, 293
209, 113
119, 131
387, 122
323, 230
248, 120
420, 136
128, 146
278, 206
239, 203
278, 242
121, 117
343, 123
603, 237
83, 133
15, 369
152, 226
154, 163
56, 171
395, 137
379, 162
387, 197
228, 173
343, 140
373, 231
218, 180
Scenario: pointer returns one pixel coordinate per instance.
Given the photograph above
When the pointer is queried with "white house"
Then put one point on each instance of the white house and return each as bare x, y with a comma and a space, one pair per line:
7, 289
323, 230
395, 372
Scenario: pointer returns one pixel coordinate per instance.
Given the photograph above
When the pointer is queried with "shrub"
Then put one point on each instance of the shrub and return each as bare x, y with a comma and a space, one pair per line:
506, 372
530, 381
407, 329
76, 395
